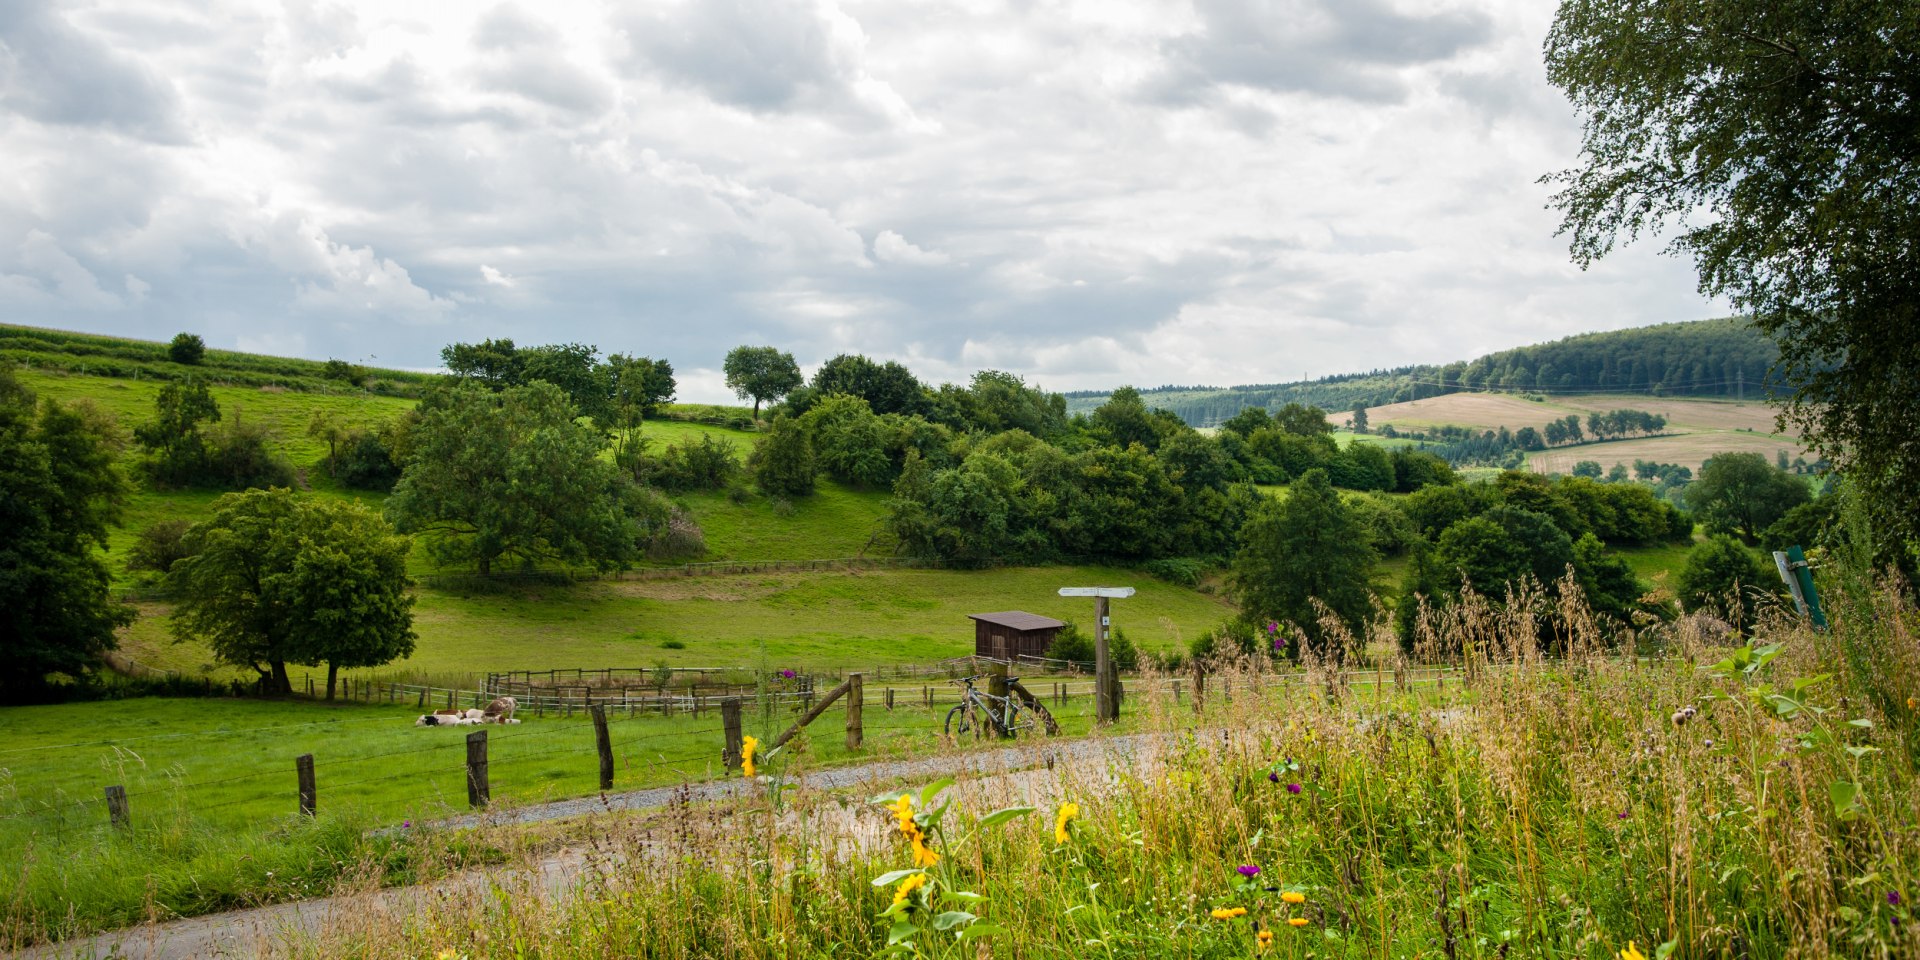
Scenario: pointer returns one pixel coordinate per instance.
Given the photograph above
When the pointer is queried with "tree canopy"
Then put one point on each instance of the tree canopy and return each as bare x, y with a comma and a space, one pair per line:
1308, 547
1781, 143
59, 491
512, 475
760, 374
274, 578
1741, 493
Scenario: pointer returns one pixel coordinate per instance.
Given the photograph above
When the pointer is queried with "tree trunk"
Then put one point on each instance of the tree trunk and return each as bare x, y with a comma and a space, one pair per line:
756, 408
280, 685
333, 670
486, 566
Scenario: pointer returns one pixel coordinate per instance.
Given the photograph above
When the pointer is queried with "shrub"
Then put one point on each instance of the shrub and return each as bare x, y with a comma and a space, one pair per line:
1724, 575
783, 463
706, 464
1075, 647
186, 348
679, 539
159, 546
365, 462
1185, 571
672, 645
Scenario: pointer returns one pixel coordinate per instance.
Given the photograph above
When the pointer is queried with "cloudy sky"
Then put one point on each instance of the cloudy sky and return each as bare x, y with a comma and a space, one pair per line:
1086, 193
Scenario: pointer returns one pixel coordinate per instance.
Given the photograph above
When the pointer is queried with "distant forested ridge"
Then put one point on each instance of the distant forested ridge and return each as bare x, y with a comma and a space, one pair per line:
1704, 358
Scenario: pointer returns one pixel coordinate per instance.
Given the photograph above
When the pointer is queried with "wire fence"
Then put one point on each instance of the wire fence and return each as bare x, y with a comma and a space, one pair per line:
534, 756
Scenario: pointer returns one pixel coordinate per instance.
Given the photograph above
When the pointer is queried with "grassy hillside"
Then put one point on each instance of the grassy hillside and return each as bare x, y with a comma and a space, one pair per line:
1696, 428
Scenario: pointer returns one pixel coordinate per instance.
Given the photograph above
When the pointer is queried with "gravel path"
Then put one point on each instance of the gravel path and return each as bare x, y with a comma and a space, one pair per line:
258, 931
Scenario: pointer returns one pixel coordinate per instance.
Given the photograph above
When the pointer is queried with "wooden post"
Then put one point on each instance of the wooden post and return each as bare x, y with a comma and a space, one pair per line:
997, 678
1104, 708
1176, 692
856, 700
1199, 686
889, 698
117, 806
813, 713
303, 768
604, 741
730, 719
478, 793
927, 694
422, 704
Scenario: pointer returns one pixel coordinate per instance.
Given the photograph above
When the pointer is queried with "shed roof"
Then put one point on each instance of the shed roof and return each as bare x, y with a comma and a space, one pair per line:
1019, 620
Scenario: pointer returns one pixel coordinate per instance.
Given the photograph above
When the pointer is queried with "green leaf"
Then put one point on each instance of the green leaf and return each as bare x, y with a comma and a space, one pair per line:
963, 896
1861, 722
1858, 752
1846, 799
933, 790
975, 931
1002, 816
895, 876
1802, 683
952, 918
1665, 950
902, 930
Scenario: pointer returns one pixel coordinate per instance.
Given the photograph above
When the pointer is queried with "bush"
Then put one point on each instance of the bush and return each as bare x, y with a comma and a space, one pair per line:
186, 348
1185, 571
783, 463
159, 546
240, 456
1723, 575
706, 464
679, 539
672, 645
365, 463
1075, 647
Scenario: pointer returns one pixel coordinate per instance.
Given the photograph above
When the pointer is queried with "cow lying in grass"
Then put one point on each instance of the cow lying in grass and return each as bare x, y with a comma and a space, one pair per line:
499, 711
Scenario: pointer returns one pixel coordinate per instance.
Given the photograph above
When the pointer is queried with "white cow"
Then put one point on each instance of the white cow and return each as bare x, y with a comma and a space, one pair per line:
500, 710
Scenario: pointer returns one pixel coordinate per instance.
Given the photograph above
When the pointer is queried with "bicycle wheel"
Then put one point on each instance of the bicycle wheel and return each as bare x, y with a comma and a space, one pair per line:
962, 722
1047, 722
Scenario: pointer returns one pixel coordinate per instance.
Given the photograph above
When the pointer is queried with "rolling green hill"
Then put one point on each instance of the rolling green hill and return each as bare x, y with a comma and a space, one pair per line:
1705, 358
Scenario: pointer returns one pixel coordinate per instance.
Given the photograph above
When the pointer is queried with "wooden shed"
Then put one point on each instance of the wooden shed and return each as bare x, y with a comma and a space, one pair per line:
1012, 633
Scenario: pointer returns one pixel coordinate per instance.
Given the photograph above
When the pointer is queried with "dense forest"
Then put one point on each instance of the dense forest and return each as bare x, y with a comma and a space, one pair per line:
1705, 358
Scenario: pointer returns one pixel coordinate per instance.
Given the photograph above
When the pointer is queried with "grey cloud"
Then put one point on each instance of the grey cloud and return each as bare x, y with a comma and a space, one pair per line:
523, 56
1343, 48
54, 73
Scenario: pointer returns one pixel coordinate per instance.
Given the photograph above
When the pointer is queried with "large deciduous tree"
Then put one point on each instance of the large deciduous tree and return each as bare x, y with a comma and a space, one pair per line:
1782, 142
1741, 493
59, 491
275, 578
512, 475
761, 374
1307, 547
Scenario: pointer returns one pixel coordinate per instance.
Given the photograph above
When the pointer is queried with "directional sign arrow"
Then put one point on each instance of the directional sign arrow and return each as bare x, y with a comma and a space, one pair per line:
1096, 591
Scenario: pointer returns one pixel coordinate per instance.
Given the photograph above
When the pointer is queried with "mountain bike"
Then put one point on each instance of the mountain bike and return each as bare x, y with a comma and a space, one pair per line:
980, 712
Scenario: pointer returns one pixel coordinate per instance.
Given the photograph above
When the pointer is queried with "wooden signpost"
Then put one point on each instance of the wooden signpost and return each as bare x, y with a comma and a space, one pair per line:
1106, 680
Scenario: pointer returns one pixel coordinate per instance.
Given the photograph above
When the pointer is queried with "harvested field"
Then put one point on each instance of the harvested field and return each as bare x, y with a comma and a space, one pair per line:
1683, 414
1687, 449
1487, 410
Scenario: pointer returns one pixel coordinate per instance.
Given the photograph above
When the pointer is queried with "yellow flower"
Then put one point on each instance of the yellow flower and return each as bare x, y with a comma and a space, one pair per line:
1068, 811
1293, 897
1265, 937
1228, 913
1632, 952
747, 746
1913, 704
908, 886
1297, 922
923, 855
903, 811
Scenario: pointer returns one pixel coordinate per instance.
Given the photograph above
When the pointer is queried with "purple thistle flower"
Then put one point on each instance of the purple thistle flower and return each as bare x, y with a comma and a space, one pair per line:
1893, 897
1272, 627
1622, 815
1273, 776
1249, 871
406, 824
1293, 788
1278, 644
786, 674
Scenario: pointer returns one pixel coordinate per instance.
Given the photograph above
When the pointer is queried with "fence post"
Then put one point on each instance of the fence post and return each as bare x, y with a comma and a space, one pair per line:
478, 793
303, 769
889, 698
856, 699
730, 720
1199, 686
117, 805
604, 741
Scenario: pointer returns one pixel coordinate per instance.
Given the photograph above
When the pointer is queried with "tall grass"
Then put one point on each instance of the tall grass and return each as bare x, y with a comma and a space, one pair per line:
1737, 803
